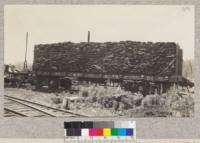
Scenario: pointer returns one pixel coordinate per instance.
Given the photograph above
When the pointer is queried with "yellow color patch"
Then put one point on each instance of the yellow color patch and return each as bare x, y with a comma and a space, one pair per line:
106, 132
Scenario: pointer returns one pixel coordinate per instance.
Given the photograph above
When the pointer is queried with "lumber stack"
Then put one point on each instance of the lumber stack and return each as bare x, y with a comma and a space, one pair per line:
124, 57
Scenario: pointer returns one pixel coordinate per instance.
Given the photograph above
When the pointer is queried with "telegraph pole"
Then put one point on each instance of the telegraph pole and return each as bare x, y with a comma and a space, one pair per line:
25, 61
88, 36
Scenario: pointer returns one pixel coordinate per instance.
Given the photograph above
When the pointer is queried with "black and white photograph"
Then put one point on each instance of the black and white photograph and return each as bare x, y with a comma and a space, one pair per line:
99, 61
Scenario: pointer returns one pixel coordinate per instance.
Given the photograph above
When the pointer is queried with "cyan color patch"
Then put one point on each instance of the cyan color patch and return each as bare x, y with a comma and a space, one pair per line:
122, 132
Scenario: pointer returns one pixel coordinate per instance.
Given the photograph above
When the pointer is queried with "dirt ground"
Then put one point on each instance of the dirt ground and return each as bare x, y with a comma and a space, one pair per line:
99, 101
50, 100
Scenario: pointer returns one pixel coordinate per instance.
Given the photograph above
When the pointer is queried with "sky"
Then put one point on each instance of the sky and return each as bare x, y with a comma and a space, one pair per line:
61, 23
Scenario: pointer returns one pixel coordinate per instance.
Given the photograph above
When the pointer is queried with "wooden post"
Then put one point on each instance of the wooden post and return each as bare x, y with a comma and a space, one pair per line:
155, 91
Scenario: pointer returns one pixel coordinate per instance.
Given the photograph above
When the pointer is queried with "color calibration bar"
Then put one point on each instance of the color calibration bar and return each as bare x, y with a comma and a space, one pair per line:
100, 129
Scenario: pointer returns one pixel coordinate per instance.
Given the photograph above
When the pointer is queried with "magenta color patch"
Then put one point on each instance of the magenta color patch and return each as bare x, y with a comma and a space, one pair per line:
92, 132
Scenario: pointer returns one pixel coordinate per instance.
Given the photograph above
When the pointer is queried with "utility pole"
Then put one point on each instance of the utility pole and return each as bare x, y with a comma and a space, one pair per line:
25, 61
88, 36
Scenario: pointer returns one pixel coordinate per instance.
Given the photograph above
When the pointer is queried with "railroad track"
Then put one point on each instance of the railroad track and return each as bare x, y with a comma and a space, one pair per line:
24, 108
11, 113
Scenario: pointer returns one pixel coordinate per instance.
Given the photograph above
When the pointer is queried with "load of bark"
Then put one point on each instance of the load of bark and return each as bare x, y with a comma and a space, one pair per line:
125, 57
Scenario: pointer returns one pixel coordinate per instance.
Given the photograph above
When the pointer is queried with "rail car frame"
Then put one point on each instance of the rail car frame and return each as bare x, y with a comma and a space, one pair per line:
129, 82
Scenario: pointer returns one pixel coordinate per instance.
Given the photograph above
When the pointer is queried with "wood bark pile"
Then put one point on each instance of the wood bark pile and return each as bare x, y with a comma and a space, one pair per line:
125, 57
